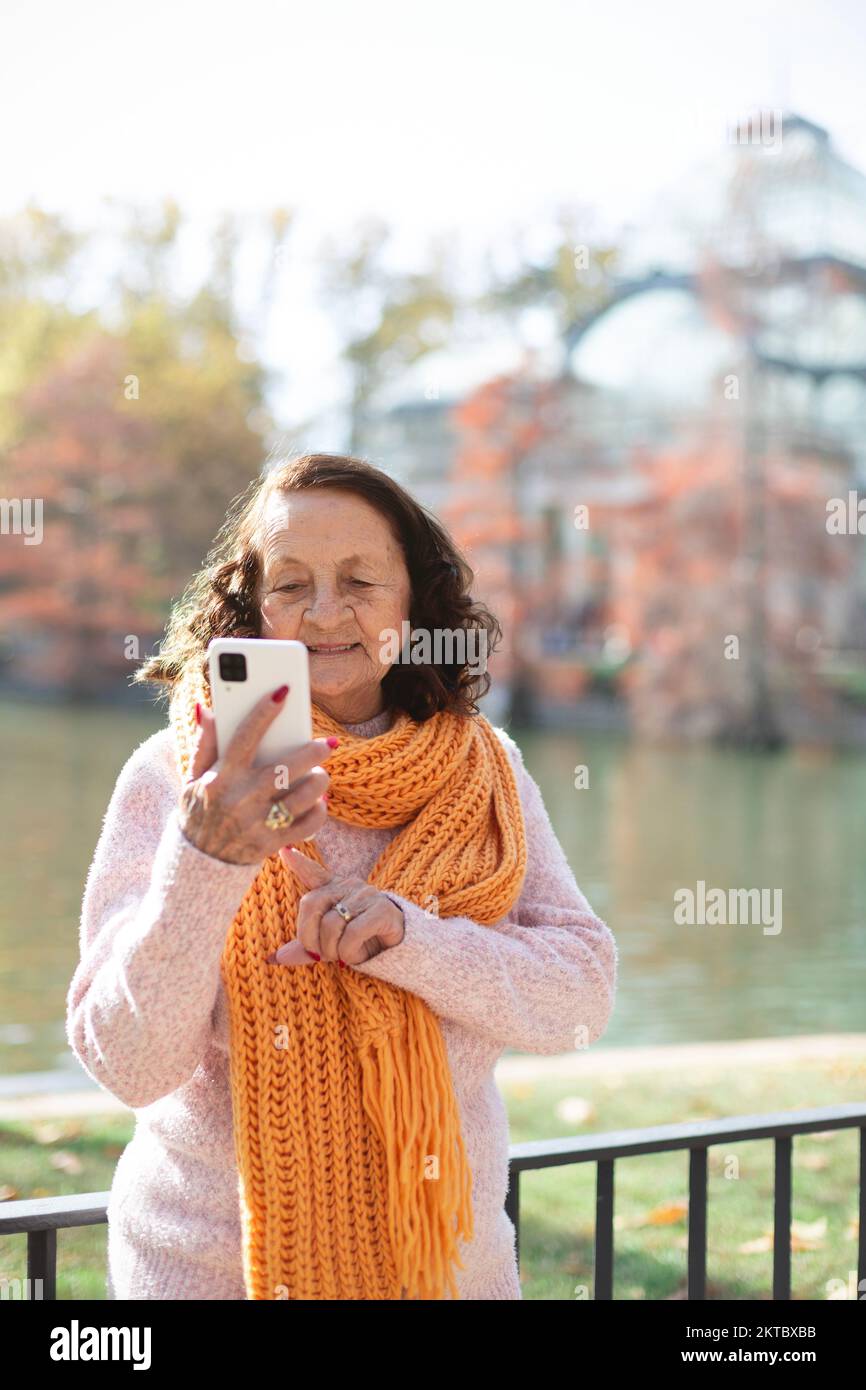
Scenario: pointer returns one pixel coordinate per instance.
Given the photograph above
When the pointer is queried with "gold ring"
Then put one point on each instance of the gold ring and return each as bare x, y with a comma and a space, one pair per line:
343, 911
278, 817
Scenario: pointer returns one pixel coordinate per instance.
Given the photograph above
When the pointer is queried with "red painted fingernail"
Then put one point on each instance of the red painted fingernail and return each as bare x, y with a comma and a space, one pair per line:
197, 712
324, 796
333, 742
314, 954
280, 695
342, 965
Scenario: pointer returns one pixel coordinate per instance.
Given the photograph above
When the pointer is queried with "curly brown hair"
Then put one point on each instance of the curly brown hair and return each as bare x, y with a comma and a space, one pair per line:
222, 598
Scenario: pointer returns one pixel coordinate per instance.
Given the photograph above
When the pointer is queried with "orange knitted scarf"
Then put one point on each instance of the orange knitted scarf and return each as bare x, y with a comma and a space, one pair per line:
353, 1177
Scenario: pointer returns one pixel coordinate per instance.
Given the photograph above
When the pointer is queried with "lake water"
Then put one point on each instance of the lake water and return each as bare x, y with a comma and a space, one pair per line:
652, 821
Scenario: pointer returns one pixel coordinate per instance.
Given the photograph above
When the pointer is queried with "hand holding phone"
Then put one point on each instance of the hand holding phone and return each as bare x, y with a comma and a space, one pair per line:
233, 783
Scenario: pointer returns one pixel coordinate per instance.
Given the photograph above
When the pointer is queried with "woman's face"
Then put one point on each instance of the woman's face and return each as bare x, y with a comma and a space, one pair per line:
333, 574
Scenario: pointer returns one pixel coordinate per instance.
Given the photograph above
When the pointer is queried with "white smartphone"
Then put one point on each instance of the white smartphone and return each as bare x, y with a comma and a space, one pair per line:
242, 670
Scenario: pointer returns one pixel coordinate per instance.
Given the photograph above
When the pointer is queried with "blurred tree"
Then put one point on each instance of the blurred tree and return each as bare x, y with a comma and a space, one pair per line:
389, 319
39, 263
571, 281
135, 437
501, 425
684, 581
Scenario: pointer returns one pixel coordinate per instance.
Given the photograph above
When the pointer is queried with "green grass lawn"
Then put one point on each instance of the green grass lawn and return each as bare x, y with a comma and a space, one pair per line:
651, 1192
45, 1158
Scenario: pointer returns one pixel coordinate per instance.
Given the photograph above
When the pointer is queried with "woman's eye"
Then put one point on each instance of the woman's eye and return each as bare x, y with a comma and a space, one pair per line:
288, 588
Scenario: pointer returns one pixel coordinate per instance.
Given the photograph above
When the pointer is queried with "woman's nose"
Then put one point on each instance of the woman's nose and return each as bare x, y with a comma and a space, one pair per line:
326, 602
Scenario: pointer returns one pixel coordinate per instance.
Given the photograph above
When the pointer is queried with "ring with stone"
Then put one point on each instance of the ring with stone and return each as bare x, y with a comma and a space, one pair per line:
278, 817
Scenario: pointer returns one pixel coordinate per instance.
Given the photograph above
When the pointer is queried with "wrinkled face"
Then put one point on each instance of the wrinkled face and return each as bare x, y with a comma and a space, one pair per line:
333, 577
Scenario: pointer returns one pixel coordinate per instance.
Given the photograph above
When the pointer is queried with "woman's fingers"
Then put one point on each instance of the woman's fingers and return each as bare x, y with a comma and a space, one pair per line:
242, 747
316, 878
228, 796
302, 792
292, 953
309, 871
303, 801
336, 942
312, 874
205, 752
323, 933
312, 908
359, 939
303, 827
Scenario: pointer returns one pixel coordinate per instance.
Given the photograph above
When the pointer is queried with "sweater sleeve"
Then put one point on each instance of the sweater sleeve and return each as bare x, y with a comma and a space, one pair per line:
154, 919
542, 980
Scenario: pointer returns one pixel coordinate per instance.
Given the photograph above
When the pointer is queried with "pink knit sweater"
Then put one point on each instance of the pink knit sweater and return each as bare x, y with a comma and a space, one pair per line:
147, 1018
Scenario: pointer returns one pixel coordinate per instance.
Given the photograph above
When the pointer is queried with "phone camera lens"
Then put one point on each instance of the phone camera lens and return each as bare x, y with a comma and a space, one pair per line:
233, 666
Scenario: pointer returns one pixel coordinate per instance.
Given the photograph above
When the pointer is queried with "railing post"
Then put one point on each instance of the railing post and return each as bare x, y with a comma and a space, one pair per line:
861, 1243
782, 1219
42, 1261
697, 1271
603, 1283
512, 1206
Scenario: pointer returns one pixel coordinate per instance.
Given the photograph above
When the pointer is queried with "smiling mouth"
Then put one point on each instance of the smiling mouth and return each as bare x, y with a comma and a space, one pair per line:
333, 650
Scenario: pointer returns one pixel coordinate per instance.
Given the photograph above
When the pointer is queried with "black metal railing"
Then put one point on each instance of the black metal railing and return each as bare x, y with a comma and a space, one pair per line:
604, 1149
41, 1218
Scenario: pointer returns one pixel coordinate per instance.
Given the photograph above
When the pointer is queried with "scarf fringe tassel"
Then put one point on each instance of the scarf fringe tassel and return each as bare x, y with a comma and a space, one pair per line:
428, 1171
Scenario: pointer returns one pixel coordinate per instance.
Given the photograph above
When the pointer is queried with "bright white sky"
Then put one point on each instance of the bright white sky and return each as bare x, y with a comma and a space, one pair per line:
474, 116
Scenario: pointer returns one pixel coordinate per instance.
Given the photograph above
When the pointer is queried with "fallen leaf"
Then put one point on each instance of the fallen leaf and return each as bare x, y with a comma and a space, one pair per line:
668, 1214
48, 1132
67, 1162
808, 1235
801, 1243
804, 1236
759, 1246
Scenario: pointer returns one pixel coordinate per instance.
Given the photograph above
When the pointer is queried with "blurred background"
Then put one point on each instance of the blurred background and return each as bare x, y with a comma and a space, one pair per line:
592, 284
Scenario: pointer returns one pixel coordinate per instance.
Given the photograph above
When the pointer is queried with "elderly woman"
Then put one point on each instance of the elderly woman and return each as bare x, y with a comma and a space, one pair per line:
306, 1019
